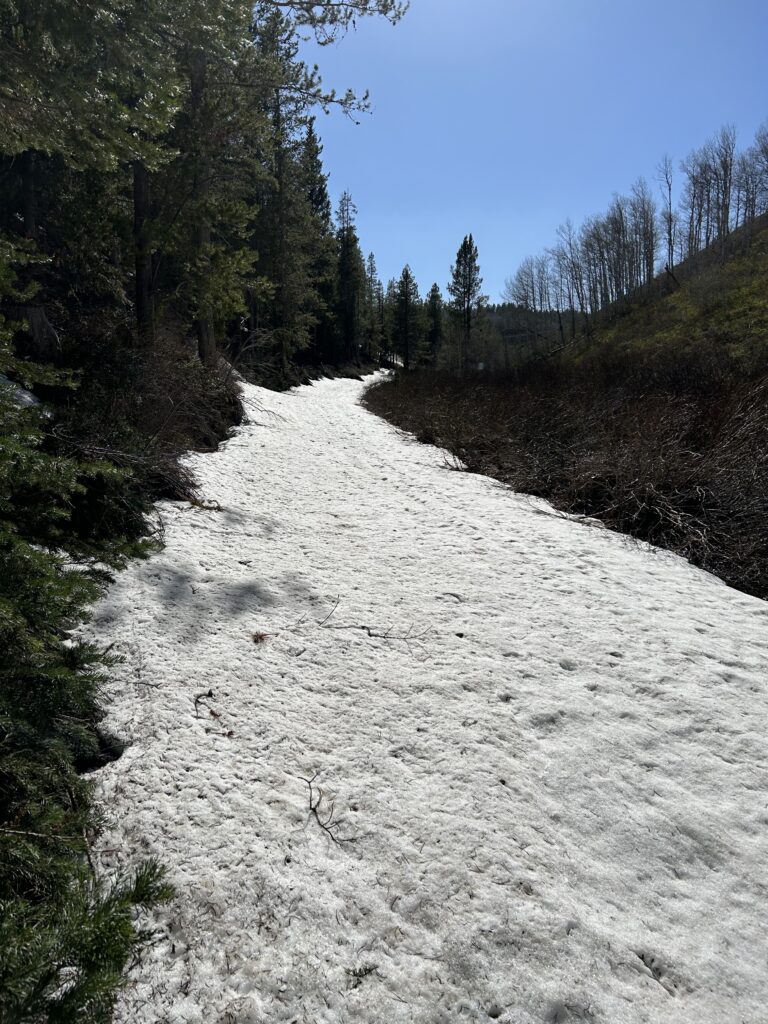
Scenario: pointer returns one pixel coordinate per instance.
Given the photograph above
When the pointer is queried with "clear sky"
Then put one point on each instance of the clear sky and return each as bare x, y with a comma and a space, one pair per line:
505, 117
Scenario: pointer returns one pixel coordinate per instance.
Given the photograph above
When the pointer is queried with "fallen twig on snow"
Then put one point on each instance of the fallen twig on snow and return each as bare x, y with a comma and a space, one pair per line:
388, 634
372, 631
206, 506
329, 825
201, 697
330, 613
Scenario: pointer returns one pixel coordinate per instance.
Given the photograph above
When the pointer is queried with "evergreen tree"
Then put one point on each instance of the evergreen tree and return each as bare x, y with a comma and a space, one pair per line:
381, 321
190, 107
388, 318
372, 317
408, 320
435, 325
67, 70
315, 180
465, 289
65, 937
330, 19
351, 278
74, 89
321, 244
292, 218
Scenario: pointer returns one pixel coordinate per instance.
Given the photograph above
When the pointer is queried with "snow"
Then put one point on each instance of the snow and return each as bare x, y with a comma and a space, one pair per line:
19, 395
545, 753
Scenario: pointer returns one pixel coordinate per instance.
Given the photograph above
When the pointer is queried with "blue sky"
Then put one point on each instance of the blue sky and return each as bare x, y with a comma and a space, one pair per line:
505, 117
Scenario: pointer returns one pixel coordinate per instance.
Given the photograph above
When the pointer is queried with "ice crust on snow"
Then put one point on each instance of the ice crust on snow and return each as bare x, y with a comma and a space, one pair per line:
540, 746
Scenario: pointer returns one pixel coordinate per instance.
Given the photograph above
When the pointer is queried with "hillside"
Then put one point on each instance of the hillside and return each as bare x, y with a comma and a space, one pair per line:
713, 307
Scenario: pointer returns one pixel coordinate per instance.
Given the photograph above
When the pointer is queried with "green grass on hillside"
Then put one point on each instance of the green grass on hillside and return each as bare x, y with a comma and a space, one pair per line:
716, 304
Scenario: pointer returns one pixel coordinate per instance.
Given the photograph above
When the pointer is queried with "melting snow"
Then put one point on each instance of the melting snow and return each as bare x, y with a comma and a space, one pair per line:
537, 751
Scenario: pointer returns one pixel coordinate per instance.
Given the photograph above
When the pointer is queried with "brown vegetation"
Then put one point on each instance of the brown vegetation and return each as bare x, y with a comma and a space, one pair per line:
671, 449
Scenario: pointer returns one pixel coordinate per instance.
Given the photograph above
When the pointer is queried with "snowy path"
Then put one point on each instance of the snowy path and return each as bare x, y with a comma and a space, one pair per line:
556, 800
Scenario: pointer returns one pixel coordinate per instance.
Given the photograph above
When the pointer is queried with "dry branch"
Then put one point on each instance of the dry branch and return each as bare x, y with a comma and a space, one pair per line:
325, 818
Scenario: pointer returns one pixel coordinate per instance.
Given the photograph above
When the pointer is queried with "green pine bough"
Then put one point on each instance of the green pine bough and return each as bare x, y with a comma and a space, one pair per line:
66, 936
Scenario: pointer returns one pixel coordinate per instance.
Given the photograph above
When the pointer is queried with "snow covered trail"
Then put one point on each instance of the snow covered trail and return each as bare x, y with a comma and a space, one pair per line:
550, 800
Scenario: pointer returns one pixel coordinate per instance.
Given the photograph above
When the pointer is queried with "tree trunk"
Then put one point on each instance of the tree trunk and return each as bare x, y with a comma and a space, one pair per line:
206, 340
407, 340
284, 312
29, 194
145, 313
43, 341
204, 326
467, 334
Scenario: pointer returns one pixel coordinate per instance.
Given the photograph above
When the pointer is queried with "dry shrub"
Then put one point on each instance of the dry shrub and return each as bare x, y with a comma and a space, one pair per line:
674, 452
139, 412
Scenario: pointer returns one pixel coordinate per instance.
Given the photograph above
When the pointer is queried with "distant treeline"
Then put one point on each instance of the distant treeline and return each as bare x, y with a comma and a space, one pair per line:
641, 246
614, 256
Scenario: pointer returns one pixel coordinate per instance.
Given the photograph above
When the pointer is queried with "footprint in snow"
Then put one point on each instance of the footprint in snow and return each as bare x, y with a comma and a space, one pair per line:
558, 1013
548, 721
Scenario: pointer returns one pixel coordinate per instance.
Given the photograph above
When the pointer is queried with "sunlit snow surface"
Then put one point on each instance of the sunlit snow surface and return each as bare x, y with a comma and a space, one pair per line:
553, 802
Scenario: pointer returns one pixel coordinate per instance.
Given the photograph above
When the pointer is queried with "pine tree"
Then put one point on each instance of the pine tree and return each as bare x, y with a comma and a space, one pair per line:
288, 226
331, 19
351, 278
315, 180
408, 318
89, 84
389, 318
381, 321
465, 289
321, 244
216, 60
435, 325
372, 319
67, 71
